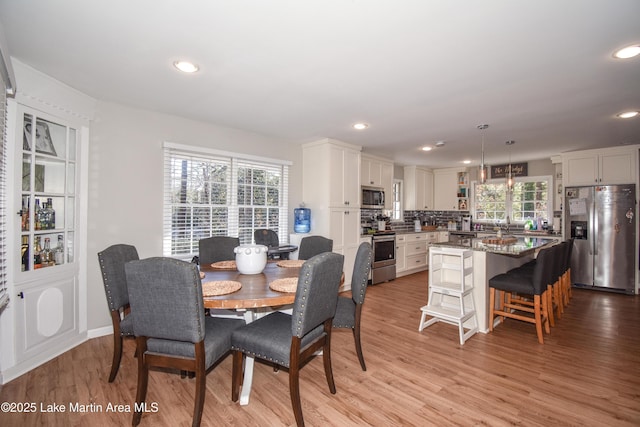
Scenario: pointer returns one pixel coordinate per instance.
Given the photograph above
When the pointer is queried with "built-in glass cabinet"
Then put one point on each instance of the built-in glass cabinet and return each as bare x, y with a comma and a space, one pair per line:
48, 193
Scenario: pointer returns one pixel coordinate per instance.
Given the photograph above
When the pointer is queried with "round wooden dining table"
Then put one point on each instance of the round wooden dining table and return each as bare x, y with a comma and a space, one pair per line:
254, 298
255, 291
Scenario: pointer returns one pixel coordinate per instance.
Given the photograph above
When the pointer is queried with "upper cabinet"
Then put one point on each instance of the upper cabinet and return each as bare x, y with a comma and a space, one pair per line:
600, 167
377, 172
331, 174
448, 186
418, 186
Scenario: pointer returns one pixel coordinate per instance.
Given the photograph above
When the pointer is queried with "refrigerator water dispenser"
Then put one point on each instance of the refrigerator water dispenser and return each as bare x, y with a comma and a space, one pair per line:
579, 230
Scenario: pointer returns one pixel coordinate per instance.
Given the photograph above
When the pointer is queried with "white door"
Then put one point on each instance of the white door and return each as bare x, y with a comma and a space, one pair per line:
45, 191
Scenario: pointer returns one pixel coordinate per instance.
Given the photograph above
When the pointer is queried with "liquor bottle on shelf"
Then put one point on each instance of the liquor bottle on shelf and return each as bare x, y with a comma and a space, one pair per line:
37, 215
24, 251
24, 212
51, 215
46, 255
59, 251
37, 253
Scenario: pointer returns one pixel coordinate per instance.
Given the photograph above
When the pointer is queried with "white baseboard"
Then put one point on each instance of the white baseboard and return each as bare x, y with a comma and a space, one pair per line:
54, 351
100, 332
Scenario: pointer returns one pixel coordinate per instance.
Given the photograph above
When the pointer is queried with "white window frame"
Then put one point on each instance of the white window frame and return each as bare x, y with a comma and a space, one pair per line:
234, 162
397, 212
508, 201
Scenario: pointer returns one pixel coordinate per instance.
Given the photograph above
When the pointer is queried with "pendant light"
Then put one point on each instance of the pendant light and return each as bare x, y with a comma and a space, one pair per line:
482, 173
509, 174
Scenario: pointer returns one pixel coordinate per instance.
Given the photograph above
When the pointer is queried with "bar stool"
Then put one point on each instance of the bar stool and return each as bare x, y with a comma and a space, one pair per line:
513, 286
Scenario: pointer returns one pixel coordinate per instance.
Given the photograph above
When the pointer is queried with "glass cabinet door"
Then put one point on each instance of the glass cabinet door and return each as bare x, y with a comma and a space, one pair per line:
48, 189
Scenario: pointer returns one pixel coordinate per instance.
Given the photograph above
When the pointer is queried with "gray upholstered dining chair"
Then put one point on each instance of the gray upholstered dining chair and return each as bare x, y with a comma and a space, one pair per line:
217, 248
290, 340
112, 261
349, 309
313, 245
264, 236
170, 326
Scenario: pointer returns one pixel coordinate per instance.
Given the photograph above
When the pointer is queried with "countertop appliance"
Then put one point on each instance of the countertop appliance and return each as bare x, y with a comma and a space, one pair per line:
601, 219
372, 197
383, 260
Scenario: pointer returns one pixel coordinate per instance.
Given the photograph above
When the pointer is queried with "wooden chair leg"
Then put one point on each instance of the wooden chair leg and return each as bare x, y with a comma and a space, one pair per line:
492, 307
326, 357
201, 384
117, 356
236, 375
294, 382
356, 338
544, 317
143, 379
538, 319
550, 294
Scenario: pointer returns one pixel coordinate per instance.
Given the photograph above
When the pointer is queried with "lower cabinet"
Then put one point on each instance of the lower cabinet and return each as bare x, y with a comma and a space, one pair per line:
401, 254
412, 252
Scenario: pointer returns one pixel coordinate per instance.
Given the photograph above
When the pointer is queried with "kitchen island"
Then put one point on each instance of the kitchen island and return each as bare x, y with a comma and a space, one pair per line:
491, 259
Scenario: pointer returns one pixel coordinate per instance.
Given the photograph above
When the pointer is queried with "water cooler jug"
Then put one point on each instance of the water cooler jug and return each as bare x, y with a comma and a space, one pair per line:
302, 220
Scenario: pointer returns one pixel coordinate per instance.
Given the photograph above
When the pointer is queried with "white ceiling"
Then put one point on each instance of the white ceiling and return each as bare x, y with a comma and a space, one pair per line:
539, 72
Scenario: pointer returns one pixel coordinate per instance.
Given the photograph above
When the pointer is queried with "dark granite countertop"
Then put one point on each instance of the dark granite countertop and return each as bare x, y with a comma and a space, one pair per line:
524, 245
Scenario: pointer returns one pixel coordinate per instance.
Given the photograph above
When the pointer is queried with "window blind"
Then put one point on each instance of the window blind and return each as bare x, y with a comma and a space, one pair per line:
4, 297
210, 193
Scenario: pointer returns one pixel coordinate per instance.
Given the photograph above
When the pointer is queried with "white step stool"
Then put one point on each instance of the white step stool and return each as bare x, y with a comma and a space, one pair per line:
450, 291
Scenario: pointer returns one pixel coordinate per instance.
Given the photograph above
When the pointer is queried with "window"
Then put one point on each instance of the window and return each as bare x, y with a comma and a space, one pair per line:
396, 213
213, 193
4, 297
529, 199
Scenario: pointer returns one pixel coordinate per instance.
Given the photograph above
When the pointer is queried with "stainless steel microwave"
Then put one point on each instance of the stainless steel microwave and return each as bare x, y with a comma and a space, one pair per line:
372, 197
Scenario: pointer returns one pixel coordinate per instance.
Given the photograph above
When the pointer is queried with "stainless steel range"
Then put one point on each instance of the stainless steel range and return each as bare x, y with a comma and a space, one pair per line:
383, 267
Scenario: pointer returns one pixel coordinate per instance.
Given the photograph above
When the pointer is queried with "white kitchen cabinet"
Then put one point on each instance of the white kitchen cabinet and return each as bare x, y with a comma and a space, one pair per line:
344, 230
416, 251
418, 185
600, 167
401, 250
331, 189
378, 172
446, 188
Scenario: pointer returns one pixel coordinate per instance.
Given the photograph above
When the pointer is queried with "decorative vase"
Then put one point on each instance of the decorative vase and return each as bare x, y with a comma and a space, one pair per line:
251, 259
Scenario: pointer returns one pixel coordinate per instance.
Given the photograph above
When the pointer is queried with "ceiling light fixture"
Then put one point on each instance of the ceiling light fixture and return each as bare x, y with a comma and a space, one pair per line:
482, 173
426, 148
440, 144
360, 126
627, 114
466, 162
186, 66
509, 174
627, 52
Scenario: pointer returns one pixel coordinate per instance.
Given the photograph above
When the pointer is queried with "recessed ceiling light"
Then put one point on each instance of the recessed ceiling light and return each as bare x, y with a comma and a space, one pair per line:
628, 114
466, 162
186, 66
360, 126
627, 52
426, 148
440, 144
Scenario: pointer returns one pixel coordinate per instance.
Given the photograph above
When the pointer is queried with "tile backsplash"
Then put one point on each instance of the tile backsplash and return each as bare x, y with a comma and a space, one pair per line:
442, 219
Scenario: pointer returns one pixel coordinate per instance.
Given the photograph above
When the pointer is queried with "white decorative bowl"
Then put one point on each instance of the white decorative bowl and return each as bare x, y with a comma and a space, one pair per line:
251, 259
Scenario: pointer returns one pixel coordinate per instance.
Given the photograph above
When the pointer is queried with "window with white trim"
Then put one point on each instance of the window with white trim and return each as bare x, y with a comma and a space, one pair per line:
529, 199
4, 297
396, 212
215, 193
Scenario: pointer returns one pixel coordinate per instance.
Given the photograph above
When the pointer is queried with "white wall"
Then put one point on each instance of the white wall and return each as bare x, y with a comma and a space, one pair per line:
126, 181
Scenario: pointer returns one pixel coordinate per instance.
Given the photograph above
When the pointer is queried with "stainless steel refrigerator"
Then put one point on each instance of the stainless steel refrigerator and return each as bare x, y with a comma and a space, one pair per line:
602, 221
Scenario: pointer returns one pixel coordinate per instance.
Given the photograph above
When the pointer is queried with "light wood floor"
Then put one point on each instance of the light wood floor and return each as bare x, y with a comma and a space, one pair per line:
586, 374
